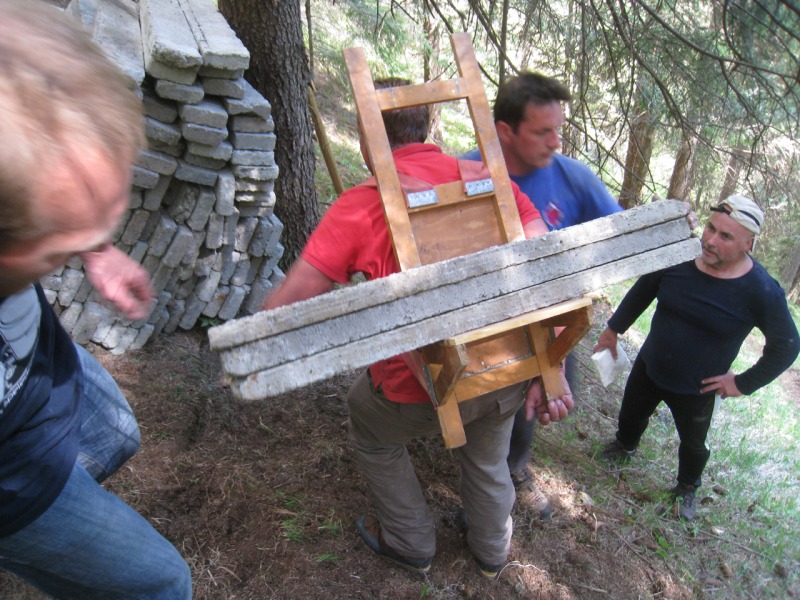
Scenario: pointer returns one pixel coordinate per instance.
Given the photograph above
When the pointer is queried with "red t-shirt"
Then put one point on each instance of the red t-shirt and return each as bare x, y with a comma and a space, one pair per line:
352, 237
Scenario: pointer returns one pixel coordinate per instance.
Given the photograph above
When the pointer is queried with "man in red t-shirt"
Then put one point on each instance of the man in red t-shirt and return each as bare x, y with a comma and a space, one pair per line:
388, 407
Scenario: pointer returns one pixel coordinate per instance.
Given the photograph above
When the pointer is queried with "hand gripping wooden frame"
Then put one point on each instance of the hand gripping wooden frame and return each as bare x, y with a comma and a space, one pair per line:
454, 219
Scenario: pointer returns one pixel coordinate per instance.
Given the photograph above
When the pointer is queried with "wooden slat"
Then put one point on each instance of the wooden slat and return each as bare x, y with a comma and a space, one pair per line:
494, 379
451, 425
443, 393
578, 326
257, 384
486, 135
551, 376
449, 193
453, 364
421, 93
380, 155
542, 314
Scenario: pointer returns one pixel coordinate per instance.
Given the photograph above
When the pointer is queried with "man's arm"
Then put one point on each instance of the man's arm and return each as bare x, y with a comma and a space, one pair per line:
638, 298
534, 228
781, 348
302, 282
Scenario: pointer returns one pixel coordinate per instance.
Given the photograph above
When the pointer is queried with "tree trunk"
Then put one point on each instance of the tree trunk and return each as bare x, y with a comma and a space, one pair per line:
680, 183
279, 70
503, 42
790, 277
732, 174
640, 146
576, 82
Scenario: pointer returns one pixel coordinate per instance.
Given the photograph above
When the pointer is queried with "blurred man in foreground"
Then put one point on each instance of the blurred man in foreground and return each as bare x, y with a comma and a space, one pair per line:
71, 128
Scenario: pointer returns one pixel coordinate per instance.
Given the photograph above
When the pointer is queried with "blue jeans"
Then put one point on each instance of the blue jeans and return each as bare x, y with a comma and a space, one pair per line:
89, 544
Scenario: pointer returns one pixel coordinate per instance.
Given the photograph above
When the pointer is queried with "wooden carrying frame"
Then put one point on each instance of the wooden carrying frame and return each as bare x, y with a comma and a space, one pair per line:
452, 220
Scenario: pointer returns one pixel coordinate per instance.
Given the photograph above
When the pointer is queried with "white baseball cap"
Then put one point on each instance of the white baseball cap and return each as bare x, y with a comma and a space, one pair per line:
743, 210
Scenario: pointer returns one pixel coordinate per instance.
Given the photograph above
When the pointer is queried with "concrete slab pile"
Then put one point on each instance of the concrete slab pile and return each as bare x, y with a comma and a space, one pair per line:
201, 217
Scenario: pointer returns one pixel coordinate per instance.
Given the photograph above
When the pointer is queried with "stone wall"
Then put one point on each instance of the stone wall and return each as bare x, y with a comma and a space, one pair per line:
201, 217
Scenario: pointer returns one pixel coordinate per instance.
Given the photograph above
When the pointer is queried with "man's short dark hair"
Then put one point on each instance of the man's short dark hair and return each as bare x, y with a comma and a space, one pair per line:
526, 88
404, 125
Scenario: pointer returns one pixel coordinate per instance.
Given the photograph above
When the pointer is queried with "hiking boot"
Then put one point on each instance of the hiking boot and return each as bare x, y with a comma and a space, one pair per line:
486, 570
369, 528
529, 495
687, 509
613, 452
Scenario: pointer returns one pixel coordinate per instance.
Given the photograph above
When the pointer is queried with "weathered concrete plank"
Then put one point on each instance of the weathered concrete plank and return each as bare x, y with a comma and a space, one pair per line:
361, 353
218, 44
117, 32
436, 275
298, 344
352, 325
170, 50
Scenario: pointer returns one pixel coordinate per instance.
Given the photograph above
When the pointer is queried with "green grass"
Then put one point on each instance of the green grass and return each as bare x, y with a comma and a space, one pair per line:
301, 525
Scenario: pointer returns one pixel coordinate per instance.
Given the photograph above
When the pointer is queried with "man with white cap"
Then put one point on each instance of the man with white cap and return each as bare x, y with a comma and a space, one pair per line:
706, 308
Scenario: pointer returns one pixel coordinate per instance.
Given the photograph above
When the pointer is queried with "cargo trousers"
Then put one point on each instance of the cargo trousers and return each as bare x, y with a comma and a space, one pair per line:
379, 431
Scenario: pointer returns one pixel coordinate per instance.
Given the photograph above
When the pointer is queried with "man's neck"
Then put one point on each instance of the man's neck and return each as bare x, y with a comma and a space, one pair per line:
521, 172
730, 270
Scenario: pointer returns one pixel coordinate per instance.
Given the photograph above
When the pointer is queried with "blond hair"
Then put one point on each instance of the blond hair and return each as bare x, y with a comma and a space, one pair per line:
58, 94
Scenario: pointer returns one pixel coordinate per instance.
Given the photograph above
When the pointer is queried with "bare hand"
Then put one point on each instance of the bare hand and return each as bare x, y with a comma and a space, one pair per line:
607, 340
120, 280
724, 385
547, 411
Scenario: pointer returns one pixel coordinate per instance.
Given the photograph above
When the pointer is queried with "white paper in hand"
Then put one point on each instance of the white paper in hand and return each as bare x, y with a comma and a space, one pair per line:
607, 367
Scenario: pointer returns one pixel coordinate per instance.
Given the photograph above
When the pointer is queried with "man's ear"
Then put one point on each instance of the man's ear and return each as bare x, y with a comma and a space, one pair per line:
504, 131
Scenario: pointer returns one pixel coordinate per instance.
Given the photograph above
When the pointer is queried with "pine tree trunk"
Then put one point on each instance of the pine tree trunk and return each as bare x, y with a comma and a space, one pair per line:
680, 183
732, 174
431, 72
640, 146
279, 70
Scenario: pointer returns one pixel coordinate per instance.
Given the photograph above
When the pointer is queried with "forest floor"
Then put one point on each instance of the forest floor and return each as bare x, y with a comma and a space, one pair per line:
261, 498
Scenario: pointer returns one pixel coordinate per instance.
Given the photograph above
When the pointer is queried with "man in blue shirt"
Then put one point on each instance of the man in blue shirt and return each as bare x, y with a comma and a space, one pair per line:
528, 115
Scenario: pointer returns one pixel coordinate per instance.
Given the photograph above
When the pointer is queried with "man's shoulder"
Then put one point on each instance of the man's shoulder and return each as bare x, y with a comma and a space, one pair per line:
767, 283
571, 165
472, 155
